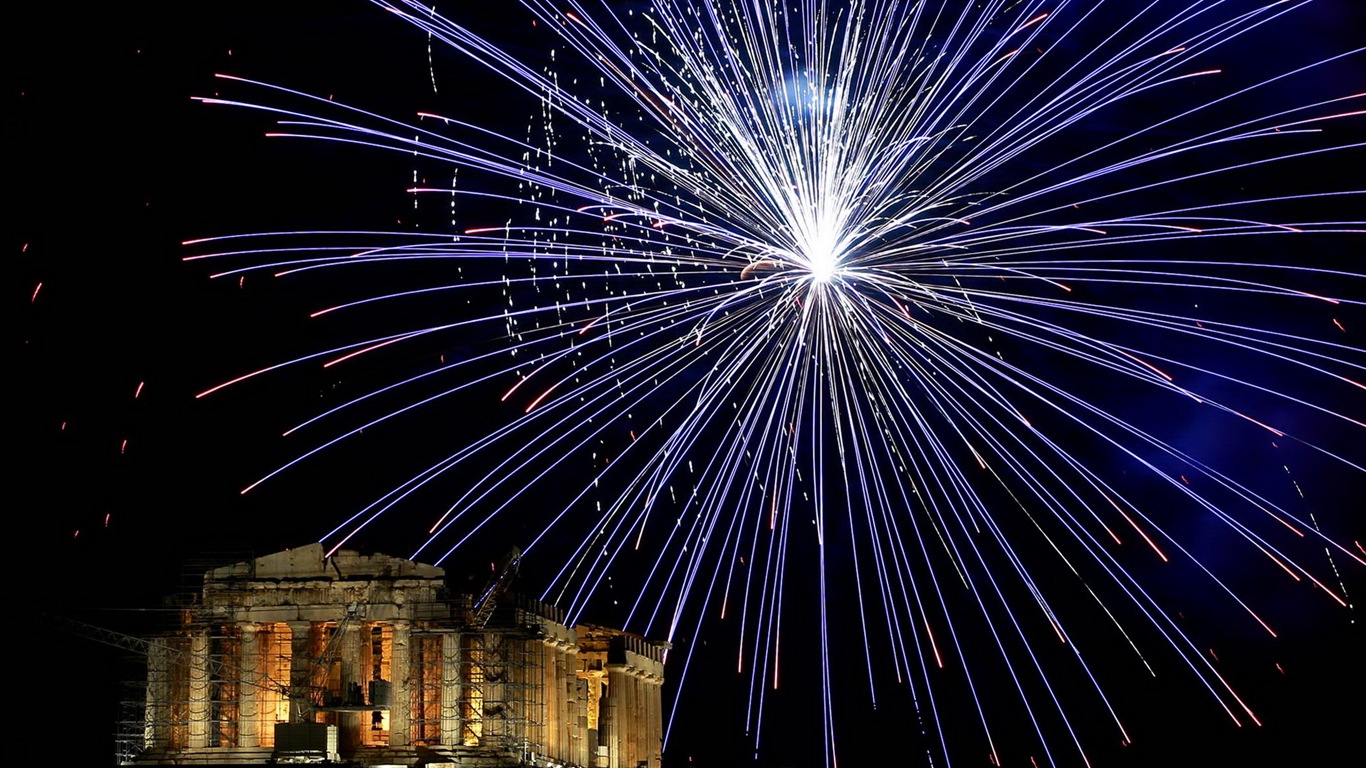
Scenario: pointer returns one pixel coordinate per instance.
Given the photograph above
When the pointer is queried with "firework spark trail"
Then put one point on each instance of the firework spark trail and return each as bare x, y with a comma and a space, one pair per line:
808, 256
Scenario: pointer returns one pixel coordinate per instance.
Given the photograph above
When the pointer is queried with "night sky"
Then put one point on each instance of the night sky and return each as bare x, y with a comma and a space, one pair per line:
127, 483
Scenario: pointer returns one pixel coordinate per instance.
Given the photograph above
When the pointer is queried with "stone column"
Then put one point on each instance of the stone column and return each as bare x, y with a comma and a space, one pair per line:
572, 733
248, 689
270, 639
647, 744
495, 690
450, 689
199, 691
401, 708
549, 700
612, 716
352, 687
545, 684
655, 734
518, 715
300, 671
556, 700
589, 690
157, 723
635, 750
566, 665
626, 721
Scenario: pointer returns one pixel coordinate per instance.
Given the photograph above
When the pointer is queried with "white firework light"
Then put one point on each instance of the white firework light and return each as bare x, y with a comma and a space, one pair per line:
882, 307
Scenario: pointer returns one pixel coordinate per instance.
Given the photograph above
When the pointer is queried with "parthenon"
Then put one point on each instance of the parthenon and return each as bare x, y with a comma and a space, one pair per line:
369, 660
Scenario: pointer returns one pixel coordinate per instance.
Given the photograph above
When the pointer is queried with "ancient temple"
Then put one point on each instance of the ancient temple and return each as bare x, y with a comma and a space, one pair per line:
370, 660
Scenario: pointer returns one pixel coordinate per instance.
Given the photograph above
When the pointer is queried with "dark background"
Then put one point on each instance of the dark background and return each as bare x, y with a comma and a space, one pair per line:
124, 484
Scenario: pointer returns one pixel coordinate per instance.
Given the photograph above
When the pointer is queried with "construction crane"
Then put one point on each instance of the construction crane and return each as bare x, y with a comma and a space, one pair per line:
146, 647
482, 609
302, 694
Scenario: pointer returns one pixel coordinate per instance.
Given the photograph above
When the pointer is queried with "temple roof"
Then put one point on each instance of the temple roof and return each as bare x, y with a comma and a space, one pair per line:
310, 562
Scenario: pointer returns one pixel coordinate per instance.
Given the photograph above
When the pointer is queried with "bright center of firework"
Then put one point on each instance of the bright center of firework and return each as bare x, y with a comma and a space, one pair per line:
822, 265
821, 254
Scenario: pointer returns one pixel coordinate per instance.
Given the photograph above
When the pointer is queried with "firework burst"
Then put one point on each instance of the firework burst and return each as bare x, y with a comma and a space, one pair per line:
906, 312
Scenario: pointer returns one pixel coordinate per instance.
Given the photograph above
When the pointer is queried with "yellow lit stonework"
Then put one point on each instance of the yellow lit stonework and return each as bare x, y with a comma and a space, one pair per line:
373, 660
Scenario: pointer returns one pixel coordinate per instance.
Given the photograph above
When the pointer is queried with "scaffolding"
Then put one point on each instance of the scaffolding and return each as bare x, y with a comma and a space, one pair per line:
478, 690
370, 662
192, 693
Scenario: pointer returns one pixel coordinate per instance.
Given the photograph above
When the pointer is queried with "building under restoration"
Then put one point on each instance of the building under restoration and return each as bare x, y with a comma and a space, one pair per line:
372, 660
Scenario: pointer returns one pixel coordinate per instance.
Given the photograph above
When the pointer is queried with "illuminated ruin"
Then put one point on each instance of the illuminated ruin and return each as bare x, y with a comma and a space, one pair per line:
373, 660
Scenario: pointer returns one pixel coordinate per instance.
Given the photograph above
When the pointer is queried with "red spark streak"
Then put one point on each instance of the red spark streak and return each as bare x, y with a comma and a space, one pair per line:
1147, 365
1151, 543
359, 352
938, 660
1270, 429
591, 323
538, 400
